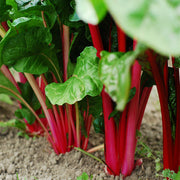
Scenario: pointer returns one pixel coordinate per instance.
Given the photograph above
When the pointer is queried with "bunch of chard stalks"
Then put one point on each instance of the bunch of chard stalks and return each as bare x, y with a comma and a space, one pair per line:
120, 140
61, 124
168, 85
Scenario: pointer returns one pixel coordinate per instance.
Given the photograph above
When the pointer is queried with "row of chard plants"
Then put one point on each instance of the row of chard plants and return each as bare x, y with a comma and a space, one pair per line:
71, 63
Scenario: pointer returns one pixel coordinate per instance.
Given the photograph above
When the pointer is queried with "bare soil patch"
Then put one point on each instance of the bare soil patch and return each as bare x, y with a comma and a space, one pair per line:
34, 159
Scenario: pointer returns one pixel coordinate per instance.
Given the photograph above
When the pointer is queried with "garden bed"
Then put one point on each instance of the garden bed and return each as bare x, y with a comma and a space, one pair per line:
34, 158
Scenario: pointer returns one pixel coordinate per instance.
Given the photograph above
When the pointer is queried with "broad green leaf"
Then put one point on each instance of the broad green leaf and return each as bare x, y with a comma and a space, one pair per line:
154, 23
114, 70
4, 8
29, 50
31, 8
91, 11
25, 113
98, 124
5, 98
12, 3
84, 81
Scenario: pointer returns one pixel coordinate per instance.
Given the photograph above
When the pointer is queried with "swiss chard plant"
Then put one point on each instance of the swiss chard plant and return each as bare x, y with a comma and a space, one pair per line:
34, 52
154, 24
65, 59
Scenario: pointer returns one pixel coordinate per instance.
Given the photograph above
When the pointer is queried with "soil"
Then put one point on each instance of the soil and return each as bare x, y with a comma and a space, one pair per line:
34, 159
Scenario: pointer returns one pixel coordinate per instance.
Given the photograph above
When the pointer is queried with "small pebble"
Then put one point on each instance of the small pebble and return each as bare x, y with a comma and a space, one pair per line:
2, 168
78, 173
148, 171
44, 168
11, 169
77, 156
9, 177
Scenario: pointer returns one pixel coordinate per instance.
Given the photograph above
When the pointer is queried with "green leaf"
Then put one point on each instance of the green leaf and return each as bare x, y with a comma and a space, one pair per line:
177, 175
94, 104
85, 81
31, 8
169, 174
66, 11
91, 11
153, 23
131, 94
28, 50
177, 62
13, 123
158, 165
98, 124
147, 80
114, 70
4, 8
25, 113
5, 98
29, 96
84, 176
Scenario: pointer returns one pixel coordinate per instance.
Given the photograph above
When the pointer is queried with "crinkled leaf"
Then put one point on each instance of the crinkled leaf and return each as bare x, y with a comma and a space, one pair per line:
154, 23
91, 11
31, 8
29, 50
98, 124
25, 113
85, 81
169, 174
114, 70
